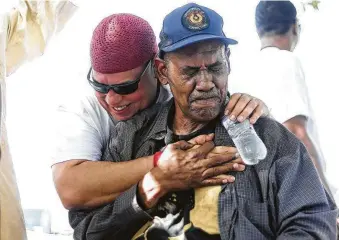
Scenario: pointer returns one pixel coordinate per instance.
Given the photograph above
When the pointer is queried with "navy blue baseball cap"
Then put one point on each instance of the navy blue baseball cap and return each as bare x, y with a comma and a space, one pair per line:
190, 24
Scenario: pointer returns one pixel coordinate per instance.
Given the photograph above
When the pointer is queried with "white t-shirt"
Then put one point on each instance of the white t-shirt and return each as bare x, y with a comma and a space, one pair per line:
83, 129
277, 78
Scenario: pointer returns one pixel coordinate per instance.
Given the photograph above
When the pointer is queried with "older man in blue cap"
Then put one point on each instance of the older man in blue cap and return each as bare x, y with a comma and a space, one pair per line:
280, 198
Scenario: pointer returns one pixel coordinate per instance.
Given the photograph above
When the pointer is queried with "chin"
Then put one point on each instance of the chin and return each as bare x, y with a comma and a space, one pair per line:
205, 115
119, 117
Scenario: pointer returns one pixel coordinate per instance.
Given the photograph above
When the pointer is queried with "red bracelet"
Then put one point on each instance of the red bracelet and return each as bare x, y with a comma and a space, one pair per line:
156, 158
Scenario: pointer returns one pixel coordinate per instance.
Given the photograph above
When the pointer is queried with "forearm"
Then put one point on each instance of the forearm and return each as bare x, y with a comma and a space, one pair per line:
298, 126
87, 184
307, 141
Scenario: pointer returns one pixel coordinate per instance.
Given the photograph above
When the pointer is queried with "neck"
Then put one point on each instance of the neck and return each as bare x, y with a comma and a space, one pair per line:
156, 95
281, 42
182, 125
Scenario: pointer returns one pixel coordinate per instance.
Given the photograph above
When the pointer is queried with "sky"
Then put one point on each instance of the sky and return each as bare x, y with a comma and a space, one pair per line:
38, 87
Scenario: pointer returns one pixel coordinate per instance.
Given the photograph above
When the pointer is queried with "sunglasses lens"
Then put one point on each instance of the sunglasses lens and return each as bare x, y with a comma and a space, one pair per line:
102, 90
99, 89
124, 90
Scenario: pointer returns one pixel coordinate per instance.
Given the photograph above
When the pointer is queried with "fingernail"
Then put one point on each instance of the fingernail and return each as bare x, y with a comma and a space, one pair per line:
236, 155
232, 117
235, 165
225, 181
240, 118
231, 179
241, 167
227, 112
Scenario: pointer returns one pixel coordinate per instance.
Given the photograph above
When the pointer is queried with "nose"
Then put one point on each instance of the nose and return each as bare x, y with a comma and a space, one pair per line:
204, 81
113, 98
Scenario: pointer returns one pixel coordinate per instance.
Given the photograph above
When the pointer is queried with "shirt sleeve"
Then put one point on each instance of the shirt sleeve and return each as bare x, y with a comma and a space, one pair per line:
77, 136
279, 81
120, 219
30, 26
291, 93
305, 209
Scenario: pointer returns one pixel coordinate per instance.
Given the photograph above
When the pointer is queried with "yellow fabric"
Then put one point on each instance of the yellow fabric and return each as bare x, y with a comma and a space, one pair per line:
24, 32
204, 215
142, 230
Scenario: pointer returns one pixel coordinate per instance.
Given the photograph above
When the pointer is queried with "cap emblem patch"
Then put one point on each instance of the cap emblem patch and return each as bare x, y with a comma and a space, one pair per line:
195, 19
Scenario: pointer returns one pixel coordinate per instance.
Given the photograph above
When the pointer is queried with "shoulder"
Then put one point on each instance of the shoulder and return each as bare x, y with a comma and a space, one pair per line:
279, 141
84, 106
86, 111
278, 58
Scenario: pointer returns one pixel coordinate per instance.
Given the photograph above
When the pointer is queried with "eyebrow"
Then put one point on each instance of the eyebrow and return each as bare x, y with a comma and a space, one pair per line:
187, 68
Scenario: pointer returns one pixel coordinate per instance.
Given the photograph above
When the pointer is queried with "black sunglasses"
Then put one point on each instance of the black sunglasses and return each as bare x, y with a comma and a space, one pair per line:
122, 88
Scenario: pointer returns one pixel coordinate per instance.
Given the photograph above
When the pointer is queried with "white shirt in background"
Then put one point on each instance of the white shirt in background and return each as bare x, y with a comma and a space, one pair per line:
276, 77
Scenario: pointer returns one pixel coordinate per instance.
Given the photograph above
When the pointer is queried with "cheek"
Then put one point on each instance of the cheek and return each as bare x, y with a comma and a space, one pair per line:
134, 98
101, 98
222, 85
183, 88
182, 95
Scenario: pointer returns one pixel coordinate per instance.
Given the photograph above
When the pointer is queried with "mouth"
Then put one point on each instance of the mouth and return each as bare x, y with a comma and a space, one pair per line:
120, 108
206, 101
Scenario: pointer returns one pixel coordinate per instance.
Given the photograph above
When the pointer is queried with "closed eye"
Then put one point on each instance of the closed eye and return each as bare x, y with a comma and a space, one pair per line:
190, 71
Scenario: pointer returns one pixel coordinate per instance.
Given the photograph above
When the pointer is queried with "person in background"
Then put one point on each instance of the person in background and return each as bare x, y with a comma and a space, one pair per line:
281, 72
24, 33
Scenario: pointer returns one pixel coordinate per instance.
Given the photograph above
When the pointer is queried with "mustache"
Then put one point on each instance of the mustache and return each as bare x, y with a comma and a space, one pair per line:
204, 95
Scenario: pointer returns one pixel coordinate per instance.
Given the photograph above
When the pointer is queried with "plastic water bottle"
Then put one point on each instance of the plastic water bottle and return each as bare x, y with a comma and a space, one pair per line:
250, 147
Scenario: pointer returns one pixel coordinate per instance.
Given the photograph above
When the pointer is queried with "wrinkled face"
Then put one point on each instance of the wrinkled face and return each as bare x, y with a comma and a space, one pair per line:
123, 107
198, 77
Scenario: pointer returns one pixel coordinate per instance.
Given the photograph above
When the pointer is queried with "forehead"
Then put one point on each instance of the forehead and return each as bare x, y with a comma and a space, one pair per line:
209, 51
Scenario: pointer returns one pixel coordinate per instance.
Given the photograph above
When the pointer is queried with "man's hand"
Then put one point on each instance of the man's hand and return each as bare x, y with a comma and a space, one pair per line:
235, 165
182, 167
242, 106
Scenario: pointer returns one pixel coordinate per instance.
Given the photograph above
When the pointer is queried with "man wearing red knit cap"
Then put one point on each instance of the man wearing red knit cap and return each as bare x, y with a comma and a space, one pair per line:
122, 75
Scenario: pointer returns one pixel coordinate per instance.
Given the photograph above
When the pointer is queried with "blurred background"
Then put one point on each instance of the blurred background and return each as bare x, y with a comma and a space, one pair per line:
35, 90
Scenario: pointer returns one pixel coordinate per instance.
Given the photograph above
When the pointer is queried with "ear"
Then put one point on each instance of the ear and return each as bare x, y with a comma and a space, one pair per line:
161, 71
228, 54
295, 29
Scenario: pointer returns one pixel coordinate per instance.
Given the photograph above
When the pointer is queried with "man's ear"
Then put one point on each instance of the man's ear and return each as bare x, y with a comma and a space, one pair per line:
294, 29
161, 70
228, 54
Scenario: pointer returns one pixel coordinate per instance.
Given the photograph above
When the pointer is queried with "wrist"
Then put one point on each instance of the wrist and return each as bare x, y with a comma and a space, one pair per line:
149, 162
156, 158
150, 191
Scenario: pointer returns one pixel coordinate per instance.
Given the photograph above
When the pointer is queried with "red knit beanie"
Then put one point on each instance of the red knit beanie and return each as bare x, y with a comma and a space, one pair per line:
122, 42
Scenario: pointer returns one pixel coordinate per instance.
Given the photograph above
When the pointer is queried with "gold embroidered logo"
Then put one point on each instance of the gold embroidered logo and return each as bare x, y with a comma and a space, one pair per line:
195, 19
